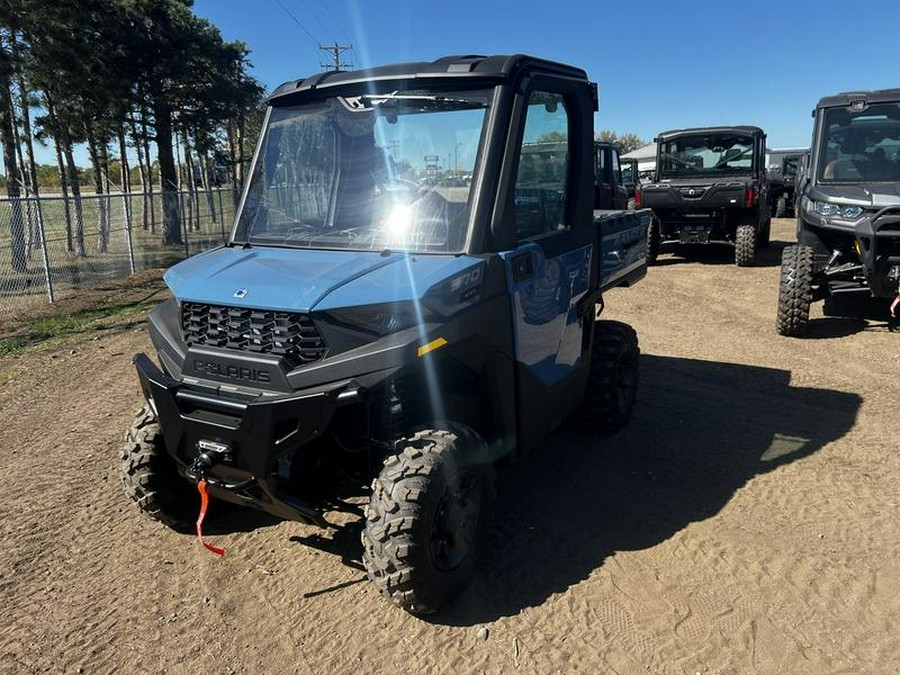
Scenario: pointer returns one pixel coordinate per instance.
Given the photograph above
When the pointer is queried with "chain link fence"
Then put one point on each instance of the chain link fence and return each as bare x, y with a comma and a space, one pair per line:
53, 246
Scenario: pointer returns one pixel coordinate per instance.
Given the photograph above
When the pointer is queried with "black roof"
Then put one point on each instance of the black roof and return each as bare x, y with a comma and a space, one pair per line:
499, 67
846, 98
711, 130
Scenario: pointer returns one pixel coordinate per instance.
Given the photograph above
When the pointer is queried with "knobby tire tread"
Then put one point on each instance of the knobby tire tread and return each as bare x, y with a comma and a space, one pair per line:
795, 290
150, 477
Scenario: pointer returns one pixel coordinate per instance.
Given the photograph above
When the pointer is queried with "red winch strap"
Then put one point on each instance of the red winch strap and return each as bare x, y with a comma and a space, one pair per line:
204, 502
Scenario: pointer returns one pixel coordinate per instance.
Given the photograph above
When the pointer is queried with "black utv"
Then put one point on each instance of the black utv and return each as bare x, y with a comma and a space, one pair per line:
710, 186
848, 215
782, 173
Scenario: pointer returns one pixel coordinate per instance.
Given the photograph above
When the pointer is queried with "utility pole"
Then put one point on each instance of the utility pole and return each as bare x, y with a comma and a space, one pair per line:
335, 50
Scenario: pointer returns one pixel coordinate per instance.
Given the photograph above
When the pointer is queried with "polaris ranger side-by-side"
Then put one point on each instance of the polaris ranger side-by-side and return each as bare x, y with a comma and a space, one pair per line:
848, 209
710, 186
376, 320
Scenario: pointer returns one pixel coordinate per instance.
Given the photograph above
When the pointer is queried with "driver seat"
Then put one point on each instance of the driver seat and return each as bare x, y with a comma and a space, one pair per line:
841, 169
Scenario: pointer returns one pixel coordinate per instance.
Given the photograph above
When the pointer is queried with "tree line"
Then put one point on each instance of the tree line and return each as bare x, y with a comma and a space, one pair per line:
48, 176
126, 78
624, 143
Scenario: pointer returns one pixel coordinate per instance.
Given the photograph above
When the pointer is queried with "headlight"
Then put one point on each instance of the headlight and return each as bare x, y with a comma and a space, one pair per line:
384, 319
828, 209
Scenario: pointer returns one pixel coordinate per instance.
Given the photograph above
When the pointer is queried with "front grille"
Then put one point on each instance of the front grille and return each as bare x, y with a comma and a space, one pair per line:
293, 337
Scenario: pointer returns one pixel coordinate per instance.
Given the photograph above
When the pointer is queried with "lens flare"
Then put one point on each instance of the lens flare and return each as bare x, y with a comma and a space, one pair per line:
399, 222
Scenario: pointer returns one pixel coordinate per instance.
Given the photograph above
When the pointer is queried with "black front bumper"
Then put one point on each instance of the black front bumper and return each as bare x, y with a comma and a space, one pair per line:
856, 258
879, 238
257, 430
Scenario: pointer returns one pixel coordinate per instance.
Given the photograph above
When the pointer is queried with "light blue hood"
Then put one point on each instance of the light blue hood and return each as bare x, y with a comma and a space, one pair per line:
298, 280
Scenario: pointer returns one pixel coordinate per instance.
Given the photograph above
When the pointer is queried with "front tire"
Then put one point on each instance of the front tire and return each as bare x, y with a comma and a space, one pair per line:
745, 245
613, 380
427, 518
795, 290
150, 476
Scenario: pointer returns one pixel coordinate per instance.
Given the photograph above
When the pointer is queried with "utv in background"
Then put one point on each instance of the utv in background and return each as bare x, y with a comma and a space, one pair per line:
630, 179
610, 191
782, 173
710, 186
848, 211
372, 322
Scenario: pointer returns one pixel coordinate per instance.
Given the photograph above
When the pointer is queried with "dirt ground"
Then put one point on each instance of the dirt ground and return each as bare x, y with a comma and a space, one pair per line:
746, 521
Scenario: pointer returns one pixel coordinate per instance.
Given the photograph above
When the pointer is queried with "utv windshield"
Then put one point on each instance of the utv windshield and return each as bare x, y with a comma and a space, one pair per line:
790, 166
368, 173
706, 154
861, 146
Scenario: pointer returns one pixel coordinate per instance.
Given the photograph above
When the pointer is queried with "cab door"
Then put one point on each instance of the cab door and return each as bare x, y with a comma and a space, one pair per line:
550, 264
619, 191
603, 185
609, 192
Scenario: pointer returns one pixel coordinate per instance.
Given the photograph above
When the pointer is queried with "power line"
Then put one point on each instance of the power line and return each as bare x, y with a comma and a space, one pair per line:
318, 20
337, 23
297, 21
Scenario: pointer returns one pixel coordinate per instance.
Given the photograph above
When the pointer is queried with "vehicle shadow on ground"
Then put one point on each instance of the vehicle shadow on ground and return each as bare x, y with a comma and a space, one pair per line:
226, 518
700, 432
833, 327
848, 315
716, 254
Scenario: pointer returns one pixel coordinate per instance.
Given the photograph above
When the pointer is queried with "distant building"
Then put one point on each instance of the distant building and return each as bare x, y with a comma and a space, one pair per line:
646, 158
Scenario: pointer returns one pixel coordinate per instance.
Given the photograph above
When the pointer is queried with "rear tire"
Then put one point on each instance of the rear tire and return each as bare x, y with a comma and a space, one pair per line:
613, 380
427, 518
795, 290
654, 241
745, 245
765, 234
150, 476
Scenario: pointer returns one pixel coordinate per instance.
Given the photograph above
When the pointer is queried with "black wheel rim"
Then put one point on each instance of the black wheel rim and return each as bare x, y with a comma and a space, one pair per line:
455, 524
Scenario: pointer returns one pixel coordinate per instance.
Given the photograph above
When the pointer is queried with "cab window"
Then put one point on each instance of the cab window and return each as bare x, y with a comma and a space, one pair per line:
540, 191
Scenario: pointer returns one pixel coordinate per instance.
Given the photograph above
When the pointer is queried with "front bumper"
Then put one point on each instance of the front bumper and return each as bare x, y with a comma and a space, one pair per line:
852, 257
257, 430
879, 239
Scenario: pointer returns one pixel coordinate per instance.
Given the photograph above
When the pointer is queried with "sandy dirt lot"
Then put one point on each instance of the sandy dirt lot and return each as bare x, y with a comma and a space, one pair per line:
746, 521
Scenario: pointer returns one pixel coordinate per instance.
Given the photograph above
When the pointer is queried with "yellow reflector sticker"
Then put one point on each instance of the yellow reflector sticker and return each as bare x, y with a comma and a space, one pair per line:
431, 346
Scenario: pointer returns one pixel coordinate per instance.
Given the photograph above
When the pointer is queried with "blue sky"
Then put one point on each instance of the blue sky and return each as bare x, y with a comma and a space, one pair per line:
659, 65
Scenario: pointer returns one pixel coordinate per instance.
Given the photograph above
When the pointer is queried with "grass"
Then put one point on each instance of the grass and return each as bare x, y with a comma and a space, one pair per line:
55, 327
